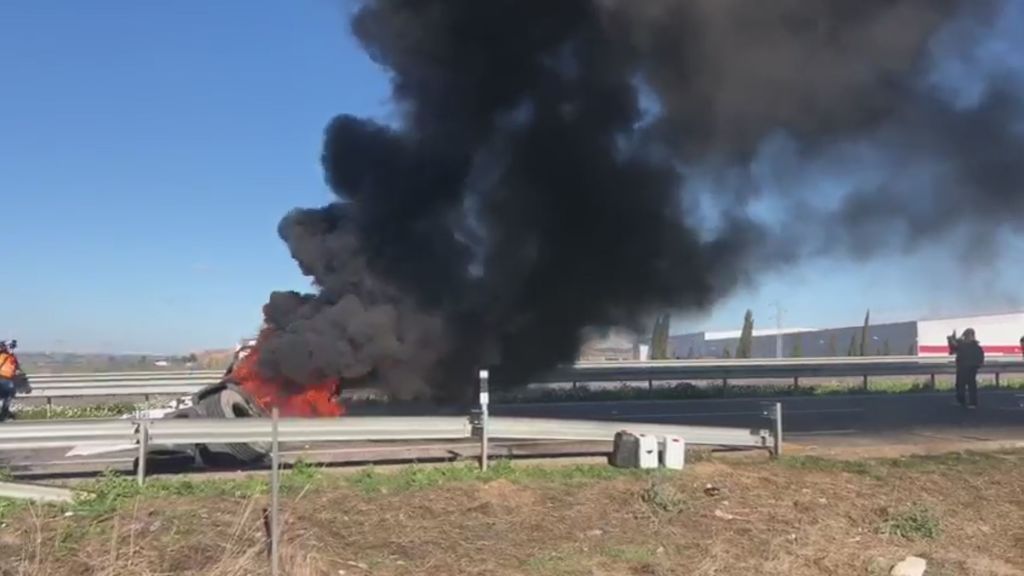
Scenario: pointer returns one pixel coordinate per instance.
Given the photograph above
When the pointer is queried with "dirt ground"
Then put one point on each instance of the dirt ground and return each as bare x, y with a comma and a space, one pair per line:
799, 516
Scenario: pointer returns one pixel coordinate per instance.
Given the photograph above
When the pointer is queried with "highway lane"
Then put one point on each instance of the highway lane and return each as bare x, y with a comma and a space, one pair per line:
801, 414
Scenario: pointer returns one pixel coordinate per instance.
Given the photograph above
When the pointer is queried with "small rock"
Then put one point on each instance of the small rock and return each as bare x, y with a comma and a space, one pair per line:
910, 566
724, 515
595, 532
359, 565
712, 491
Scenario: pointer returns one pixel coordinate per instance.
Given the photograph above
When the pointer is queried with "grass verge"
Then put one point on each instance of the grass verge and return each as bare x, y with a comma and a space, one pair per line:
114, 410
798, 517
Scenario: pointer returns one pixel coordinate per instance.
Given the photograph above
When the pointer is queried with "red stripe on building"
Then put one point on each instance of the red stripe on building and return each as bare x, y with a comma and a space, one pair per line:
992, 349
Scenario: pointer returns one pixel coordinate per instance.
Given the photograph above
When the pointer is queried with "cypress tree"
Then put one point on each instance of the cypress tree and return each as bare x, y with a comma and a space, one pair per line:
744, 348
864, 334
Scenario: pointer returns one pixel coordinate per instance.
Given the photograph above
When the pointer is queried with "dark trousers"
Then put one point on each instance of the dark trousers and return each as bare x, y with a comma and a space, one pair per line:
967, 385
7, 391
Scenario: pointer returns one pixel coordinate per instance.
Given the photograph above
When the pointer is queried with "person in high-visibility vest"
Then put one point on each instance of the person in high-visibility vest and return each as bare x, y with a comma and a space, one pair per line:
8, 371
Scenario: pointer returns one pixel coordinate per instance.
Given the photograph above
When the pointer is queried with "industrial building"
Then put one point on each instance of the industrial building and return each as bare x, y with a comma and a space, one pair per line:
999, 335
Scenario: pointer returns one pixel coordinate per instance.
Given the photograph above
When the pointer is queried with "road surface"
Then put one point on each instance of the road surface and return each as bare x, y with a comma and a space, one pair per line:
802, 414
842, 420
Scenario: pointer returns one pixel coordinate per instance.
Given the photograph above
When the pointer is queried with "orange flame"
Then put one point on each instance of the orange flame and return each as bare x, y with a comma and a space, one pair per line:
317, 399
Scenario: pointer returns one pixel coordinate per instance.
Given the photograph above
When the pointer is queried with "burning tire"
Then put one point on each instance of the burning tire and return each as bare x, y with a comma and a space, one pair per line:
232, 402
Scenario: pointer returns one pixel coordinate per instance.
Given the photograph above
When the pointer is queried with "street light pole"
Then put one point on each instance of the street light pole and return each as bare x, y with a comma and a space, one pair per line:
778, 329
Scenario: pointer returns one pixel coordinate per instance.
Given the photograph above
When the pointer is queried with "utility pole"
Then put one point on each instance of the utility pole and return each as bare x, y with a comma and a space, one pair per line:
778, 329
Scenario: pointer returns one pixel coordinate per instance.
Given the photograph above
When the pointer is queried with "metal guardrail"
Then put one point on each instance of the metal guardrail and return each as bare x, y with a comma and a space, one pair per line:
33, 435
551, 429
144, 384
199, 430
184, 375
769, 369
143, 434
62, 433
121, 384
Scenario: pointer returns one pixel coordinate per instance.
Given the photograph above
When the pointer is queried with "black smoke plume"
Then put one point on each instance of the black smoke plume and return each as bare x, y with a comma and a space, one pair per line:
537, 184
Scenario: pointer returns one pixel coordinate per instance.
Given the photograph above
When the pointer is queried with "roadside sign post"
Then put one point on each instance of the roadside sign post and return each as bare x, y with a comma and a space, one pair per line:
772, 411
275, 485
485, 399
143, 449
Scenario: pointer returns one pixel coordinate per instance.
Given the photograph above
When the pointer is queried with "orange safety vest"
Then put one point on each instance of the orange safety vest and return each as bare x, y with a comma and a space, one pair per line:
8, 365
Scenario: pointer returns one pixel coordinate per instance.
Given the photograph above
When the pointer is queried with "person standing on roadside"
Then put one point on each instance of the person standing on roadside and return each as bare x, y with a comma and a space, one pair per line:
8, 371
970, 357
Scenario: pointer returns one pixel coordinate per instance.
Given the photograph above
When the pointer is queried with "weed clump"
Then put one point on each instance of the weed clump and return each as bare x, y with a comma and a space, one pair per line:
914, 523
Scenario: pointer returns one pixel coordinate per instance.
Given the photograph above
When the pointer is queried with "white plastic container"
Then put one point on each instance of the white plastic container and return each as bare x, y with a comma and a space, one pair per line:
673, 456
648, 456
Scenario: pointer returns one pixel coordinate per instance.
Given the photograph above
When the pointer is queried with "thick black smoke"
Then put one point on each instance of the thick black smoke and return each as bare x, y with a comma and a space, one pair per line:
536, 184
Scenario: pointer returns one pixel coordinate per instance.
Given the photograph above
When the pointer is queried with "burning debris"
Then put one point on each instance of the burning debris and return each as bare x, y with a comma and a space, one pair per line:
318, 398
540, 181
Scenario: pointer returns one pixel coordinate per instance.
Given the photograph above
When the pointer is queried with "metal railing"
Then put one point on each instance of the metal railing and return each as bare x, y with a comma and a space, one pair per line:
786, 368
143, 384
101, 384
144, 434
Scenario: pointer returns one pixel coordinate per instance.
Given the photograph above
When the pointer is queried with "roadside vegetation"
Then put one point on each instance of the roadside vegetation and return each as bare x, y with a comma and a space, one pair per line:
58, 412
797, 516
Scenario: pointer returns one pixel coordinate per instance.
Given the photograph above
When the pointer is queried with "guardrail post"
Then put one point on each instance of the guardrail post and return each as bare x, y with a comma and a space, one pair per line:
931, 382
997, 379
275, 485
485, 399
143, 450
865, 382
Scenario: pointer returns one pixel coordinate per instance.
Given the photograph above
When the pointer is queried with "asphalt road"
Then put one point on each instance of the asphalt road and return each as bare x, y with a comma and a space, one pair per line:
843, 419
801, 414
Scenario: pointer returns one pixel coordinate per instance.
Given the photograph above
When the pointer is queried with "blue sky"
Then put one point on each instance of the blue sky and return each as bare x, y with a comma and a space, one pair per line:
148, 150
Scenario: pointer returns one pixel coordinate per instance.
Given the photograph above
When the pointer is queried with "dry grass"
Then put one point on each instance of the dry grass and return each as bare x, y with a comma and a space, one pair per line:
798, 517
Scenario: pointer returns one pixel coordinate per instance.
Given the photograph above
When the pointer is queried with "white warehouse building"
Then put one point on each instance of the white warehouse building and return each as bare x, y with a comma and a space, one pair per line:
999, 335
